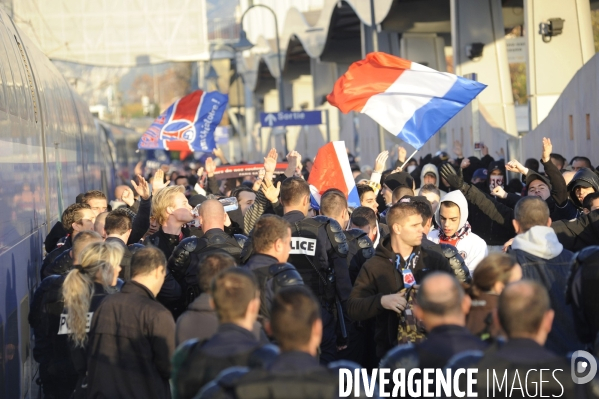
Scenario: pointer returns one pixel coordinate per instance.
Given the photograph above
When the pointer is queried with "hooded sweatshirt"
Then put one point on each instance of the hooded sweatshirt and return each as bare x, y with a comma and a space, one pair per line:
544, 260
472, 248
429, 168
586, 178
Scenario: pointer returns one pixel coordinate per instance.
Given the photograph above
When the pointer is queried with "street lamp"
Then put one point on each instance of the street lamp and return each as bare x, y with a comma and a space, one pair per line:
245, 44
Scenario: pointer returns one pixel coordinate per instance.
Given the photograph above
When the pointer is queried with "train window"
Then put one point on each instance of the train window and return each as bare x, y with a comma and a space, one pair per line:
2, 84
29, 78
9, 83
17, 68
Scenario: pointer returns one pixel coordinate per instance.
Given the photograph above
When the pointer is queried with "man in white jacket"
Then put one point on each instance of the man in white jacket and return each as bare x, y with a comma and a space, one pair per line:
454, 229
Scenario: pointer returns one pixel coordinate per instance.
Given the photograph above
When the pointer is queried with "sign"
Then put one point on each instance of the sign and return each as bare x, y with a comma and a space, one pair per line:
64, 329
236, 171
303, 246
290, 118
516, 49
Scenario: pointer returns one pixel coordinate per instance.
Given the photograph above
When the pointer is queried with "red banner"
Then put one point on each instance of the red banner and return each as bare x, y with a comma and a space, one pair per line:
236, 171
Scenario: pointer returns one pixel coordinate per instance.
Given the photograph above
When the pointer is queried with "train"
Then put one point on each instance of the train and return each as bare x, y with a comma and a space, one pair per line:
51, 149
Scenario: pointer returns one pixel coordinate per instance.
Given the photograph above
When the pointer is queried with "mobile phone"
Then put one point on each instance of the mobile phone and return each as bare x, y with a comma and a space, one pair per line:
229, 203
479, 146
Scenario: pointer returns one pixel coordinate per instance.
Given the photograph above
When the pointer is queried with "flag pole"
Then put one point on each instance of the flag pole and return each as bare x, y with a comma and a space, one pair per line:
408, 159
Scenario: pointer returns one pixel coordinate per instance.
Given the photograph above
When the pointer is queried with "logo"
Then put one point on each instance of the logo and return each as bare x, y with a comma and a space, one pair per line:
582, 362
178, 130
303, 246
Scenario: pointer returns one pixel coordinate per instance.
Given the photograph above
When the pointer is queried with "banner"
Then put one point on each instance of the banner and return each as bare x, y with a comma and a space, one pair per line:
236, 171
188, 124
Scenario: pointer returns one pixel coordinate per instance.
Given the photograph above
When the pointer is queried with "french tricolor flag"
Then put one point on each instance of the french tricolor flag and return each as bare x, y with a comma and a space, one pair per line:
408, 99
331, 170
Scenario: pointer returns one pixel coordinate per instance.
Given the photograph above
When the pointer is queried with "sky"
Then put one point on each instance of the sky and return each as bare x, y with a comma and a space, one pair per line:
221, 8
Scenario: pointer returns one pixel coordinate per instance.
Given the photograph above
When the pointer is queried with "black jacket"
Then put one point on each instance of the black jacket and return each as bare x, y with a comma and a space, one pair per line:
584, 175
141, 221
379, 277
553, 274
58, 231
578, 233
560, 206
489, 218
51, 257
125, 273
441, 344
131, 342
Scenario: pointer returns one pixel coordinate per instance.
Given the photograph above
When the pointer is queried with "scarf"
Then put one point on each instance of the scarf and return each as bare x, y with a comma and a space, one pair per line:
410, 263
453, 240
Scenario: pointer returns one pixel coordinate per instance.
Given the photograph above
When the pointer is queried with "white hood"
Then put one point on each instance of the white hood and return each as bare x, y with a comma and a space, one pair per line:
539, 241
457, 198
428, 168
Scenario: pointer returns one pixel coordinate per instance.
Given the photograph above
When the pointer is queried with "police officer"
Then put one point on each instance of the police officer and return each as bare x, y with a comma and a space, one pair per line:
318, 251
360, 343
296, 373
271, 242
51, 350
183, 264
524, 313
234, 292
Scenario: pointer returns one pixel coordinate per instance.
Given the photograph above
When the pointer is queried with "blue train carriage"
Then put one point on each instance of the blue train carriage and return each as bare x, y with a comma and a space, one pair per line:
50, 151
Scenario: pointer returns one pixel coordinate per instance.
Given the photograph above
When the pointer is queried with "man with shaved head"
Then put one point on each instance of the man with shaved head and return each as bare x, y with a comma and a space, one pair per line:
191, 251
442, 306
524, 313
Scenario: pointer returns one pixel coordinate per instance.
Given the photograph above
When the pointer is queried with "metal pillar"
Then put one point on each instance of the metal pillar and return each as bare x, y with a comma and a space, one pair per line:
478, 25
553, 60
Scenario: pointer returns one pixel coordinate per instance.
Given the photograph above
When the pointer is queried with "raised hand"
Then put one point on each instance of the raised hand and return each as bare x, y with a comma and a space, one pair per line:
500, 153
455, 180
257, 184
465, 163
457, 149
270, 161
210, 167
143, 189
127, 196
515, 166
158, 182
401, 154
138, 168
484, 149
381, 161
547, 150
271, 192
499, 192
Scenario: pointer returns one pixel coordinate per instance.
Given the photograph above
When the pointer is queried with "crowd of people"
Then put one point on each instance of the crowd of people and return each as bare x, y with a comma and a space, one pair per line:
173, 289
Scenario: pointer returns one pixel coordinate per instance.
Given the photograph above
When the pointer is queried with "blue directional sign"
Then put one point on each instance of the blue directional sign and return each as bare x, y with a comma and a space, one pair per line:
290, 118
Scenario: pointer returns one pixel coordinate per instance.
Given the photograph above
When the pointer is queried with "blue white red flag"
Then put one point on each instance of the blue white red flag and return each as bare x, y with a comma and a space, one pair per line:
188, 124
408, 99
331, 170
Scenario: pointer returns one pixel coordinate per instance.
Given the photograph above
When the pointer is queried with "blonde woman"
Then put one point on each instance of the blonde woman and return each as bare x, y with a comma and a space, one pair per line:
84, 288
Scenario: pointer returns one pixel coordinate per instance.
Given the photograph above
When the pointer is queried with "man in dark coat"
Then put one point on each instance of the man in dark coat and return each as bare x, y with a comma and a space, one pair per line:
132, 336
543, 259
399, 262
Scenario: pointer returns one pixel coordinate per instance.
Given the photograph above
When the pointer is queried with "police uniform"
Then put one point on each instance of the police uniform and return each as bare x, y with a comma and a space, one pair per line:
292, 375
171, 292
318, 252
271, 276
190, 252
197, 363
521, 360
